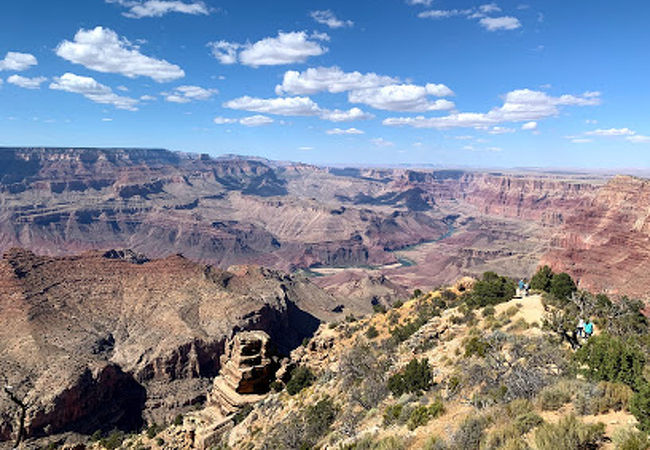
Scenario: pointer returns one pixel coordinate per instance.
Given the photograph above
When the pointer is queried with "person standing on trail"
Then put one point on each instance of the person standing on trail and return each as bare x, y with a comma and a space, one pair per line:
526, 288
589, 328
581, 328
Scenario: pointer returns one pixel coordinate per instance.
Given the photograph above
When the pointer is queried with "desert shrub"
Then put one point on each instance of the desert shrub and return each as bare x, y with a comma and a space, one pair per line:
525, 422
350, 318
416, 293
301, 377
425, 311
562, 286
630, 439
519, 325
541, 281
160, 442
153, 430
608, 358
501, 436
378, 308
242, 414
317, 419
490, 290
469, 433
476, 346
422, 414
397, 304
332, 325
392, 414
640, 407
113, 440
448, 295
614, 396
435, 443
178, 420
488, 311
569, 433
372, 332
414, 378
364, 375
554, 397
96, 436
277, 386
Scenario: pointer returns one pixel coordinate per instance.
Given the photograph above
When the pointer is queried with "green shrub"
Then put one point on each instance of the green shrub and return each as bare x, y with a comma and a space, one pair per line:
527, 421
372, 332
608, 358
562, 286
392, 414
476, 346
398, 304
378, 308
640, 407
490, 290
277, 386
178, 420
301, 378
541, 281
488, 311
318, 419
153, 430
422, 414
613, 396
242, 414
113, 440
569, 433
414, 378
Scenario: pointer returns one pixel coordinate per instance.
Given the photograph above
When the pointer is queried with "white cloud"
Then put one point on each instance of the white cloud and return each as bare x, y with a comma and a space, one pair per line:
581, 140
17, 62
638, 139
27, 83
327, 17
92, 90
339, 131
419, 2
101, 49
285, 48
123, 88
305, 148
158, 8
224, 120
283, 106
186, 94
148, 98
381, 142
501, 130
338, 115
523, 105
403, 97
611, 132
330, 79
481, 13
224, 51
107, 119
500, 23
256, 121
529, 126
294, 106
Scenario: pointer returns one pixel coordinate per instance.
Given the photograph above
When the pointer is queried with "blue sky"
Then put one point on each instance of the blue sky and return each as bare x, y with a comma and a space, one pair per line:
505, 84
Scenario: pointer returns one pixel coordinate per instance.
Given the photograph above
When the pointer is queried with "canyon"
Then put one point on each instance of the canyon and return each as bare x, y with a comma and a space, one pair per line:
128, 273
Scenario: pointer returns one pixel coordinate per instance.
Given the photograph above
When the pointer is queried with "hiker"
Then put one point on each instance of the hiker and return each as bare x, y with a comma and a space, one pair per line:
581, 328
521, 285
589, 329
526, 288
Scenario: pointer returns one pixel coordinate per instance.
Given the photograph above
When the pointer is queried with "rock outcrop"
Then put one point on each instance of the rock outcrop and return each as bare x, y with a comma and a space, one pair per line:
247, 369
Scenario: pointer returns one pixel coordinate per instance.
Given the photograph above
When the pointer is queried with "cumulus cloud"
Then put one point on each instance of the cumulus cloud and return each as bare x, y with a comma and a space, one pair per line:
27, 83
294, 106
285, 106
638, 139
256, 121
285, 48
529, 126
18, 62
339, 131
627, 133
404, 97
92, 90
338, 115
501, 130
158, 8
330, 79
523, 105
419, 2
327, 17
500, 23
187, 94
101, 49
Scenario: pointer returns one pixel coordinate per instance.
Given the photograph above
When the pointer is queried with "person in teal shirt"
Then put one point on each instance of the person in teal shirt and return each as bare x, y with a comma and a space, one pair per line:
589, 328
